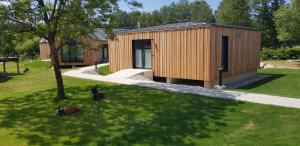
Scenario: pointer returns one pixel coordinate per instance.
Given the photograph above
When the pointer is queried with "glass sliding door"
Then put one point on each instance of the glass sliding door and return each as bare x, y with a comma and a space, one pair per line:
142, 54
148, 58
139, 58
72, 51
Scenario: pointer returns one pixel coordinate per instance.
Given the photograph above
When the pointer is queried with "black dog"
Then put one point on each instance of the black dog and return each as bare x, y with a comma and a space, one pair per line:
26, 70
96, 94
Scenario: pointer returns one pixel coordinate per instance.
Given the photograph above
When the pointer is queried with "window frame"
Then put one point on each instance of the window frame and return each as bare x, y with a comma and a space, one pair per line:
79, 53
142, 43
225, 53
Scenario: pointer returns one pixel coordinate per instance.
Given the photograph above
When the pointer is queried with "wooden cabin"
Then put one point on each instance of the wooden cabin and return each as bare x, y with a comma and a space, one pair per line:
85, 51
44, 50
188, 51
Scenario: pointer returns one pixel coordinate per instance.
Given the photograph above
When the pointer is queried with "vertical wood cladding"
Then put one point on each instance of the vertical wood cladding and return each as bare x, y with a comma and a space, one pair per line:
175, 53
193, 53
244, 48
44, 51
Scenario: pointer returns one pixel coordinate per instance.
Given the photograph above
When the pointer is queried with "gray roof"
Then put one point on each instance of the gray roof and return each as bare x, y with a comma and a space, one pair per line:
178, 25
99, 34
43, 40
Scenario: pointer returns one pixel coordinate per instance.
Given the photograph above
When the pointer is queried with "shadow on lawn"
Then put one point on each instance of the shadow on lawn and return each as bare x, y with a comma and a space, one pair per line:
4, 77
263, 81
129, 115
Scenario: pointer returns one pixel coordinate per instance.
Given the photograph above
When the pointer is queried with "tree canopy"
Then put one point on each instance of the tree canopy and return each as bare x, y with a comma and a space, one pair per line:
202, 12
58, 21
183, 10
287, 19
234, 12
263, 11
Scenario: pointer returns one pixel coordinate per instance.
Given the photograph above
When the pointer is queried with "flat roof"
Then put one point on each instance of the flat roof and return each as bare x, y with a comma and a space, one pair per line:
179, 25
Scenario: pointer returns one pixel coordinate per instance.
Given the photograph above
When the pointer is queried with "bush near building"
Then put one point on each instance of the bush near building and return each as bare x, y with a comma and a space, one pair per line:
280, 54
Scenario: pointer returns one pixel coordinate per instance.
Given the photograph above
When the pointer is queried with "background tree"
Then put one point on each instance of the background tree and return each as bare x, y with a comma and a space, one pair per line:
287, 20
175, 12
121, 19
58, 21
23, 45
7, 47
201, 12
182, 10
27, 45
156, 18
234, 12
263, 11
296, 4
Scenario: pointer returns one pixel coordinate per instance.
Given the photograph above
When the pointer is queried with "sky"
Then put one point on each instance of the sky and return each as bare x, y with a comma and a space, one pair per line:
150, 5
3, 3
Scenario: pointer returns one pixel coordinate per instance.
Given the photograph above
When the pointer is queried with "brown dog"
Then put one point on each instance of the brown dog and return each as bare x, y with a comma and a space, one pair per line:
68, 110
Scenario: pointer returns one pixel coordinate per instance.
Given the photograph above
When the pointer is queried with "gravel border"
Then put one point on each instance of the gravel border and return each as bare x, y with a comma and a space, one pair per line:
140, 77
91, 72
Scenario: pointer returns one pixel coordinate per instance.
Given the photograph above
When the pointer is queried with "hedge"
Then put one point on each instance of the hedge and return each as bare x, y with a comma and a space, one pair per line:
280, 54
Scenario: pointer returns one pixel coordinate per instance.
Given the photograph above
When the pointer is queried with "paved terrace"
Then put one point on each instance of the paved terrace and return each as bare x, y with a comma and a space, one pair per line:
122, 78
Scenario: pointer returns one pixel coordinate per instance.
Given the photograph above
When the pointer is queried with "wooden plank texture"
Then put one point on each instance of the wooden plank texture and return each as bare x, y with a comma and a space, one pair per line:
193, 53
89, 54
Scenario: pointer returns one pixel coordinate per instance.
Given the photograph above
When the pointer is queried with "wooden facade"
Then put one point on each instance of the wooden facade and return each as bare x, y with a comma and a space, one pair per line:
90, 55
44, 51
191, 53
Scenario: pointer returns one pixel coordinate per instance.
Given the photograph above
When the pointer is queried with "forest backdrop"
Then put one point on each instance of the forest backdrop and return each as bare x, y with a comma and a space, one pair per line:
278, 21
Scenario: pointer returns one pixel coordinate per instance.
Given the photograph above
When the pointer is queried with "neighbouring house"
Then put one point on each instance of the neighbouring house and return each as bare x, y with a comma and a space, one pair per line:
44, 50
84, 51
188, 51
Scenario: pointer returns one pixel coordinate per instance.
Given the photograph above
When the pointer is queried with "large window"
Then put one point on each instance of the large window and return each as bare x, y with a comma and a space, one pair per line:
142, 53
224, 56
73, 51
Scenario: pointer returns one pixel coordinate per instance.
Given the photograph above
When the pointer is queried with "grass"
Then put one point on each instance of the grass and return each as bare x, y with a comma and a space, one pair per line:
282, 82
133, 116
104, 70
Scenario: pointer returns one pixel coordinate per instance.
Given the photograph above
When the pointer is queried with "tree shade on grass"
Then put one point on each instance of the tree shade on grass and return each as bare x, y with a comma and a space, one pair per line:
104, 70
133, 115
282, 82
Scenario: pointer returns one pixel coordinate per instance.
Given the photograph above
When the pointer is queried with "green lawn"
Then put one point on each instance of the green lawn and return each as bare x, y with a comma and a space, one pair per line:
133, 116
283, 82
104, 70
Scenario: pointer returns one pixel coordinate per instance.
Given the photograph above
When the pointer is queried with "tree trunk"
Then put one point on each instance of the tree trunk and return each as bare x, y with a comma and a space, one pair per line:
57, 71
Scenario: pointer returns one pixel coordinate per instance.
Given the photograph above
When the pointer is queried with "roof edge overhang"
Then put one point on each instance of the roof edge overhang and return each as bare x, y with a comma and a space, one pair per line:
195, 27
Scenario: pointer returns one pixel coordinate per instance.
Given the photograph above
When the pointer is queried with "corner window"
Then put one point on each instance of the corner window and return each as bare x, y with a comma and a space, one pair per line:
73, 51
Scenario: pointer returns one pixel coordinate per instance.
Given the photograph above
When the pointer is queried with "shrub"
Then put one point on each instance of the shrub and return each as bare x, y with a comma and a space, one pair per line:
294, 53
280, 54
